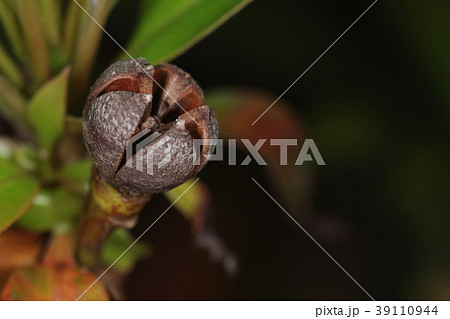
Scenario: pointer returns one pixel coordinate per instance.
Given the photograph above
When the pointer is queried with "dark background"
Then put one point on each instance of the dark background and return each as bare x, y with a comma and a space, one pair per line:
377, 106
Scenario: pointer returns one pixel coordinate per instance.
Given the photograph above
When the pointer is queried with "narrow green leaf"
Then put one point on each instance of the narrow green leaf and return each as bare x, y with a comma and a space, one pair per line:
9, 68
32, 28
11, 97
50, 11
47, 110
51, 207
13, 105
87, 46
73, 19
168, 28
10, 25
117, 243
16, 197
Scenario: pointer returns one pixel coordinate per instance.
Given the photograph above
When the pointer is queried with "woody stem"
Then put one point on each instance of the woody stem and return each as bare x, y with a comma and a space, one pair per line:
106, 209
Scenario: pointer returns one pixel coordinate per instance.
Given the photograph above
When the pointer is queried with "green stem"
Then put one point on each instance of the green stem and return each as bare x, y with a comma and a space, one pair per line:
106, 210
8, 19
9, 69
34, 37
86, 50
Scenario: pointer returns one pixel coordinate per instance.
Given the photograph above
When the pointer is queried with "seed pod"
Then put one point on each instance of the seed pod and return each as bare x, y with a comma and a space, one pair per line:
140, 124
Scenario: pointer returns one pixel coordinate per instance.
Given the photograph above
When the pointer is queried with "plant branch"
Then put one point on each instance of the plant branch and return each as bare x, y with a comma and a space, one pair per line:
106, 209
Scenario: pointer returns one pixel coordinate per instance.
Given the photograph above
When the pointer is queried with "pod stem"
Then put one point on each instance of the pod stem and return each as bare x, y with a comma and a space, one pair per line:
106, 209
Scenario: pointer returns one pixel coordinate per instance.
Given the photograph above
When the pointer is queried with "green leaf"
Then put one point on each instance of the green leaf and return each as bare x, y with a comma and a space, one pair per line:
168, 28
192, 203
26, 157
16, 197
34, 37
12, 104
9, 68
11, 98
50, 207
116, 244
8, 169
11, 28
50, 12
47, 110
87, 44
77, 173
7, 147
73, 19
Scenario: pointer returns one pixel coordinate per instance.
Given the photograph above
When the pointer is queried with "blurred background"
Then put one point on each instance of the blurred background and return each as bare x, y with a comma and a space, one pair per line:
378, 108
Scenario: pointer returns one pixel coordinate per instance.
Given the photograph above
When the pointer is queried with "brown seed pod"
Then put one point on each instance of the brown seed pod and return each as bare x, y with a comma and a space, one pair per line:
140, 124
